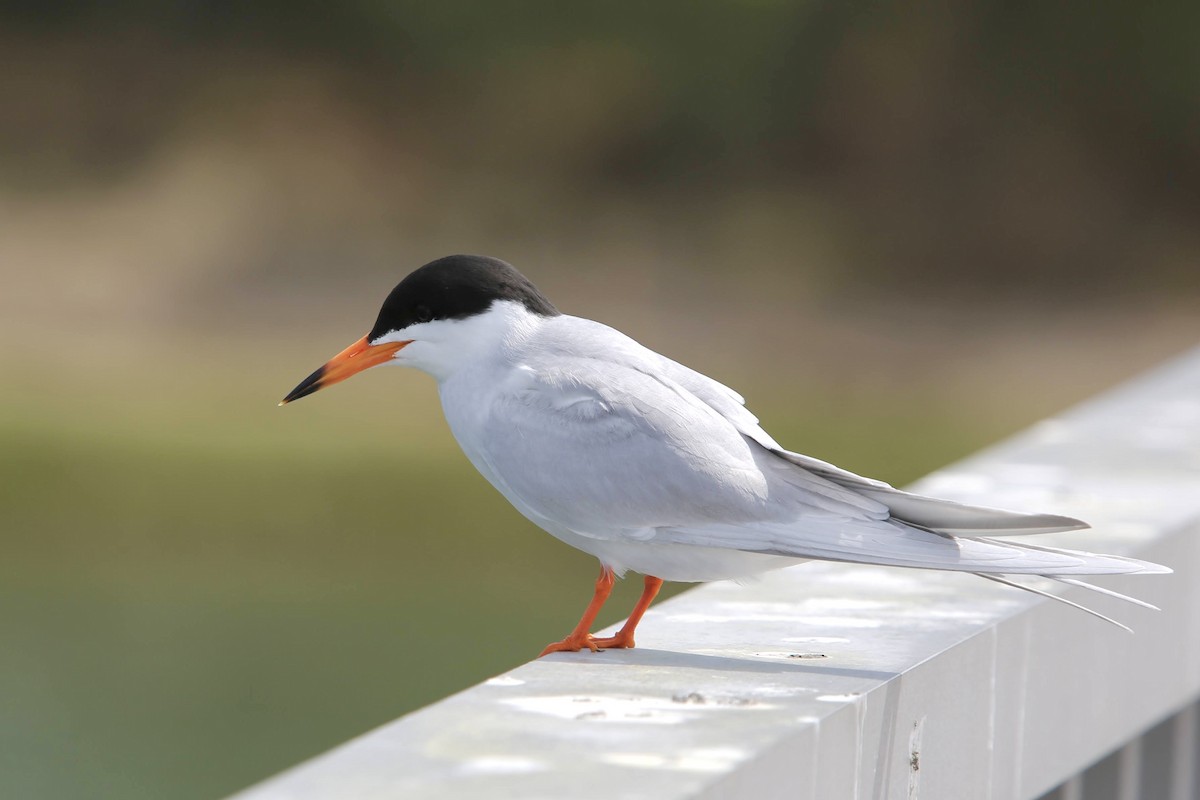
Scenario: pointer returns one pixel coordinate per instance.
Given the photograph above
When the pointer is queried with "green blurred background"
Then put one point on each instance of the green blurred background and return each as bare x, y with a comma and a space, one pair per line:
903, 231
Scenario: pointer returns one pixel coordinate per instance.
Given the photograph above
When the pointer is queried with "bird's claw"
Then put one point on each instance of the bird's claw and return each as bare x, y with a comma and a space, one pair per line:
621, 641
573, 644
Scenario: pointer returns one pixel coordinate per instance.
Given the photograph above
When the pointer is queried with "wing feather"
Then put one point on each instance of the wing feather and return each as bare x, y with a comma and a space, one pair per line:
625, 444
620, 446
945, 516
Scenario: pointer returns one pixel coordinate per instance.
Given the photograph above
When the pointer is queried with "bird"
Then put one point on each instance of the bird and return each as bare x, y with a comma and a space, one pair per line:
655, 468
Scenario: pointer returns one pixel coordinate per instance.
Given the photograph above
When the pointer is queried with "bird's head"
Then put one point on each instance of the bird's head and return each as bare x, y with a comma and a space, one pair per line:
438, 318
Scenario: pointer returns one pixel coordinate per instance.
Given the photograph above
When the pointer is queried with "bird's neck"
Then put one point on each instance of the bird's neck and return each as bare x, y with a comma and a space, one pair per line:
482, 344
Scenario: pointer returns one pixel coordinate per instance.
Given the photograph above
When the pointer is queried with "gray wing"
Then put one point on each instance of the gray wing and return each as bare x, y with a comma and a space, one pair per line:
921, 531
616, 441
613, 449
944, 516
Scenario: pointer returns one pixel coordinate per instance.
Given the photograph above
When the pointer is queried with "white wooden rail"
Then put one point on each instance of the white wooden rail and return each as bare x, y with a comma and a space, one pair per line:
829, 682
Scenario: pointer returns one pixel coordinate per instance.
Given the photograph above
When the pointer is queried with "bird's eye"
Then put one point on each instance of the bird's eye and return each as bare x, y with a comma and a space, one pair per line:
423, 313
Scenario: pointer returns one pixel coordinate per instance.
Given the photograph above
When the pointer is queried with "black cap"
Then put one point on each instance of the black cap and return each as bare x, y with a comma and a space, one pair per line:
456, 287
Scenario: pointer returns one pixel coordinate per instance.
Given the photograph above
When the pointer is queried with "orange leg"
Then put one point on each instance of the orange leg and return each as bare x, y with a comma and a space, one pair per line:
581, 637
624, 637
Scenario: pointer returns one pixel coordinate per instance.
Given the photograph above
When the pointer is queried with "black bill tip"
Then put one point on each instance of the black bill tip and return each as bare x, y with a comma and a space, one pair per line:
307, 386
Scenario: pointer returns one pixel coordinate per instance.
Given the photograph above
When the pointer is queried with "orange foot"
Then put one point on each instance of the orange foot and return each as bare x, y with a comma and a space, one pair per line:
573, 643
620, 641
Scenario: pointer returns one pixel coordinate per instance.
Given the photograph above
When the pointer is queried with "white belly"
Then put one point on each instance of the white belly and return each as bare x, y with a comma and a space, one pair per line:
677, 562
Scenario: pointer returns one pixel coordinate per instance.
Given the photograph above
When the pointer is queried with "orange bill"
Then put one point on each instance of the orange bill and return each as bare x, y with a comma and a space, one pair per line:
355, 358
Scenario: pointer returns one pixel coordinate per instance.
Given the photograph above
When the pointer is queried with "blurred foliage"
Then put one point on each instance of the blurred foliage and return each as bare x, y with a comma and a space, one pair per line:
964, 147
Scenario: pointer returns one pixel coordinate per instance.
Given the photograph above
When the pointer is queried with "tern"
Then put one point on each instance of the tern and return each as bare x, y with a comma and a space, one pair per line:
653, 467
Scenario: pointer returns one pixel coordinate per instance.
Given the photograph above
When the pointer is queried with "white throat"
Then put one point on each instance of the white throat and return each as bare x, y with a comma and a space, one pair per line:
443, 347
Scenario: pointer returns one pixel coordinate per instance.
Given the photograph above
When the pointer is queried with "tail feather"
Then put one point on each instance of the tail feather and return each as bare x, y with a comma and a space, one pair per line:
1042, 593
1101, 590
932, 533
1113, 564
897, 544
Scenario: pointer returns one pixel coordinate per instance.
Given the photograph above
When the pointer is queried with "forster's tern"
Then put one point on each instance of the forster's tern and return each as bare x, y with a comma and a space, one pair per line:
654, 467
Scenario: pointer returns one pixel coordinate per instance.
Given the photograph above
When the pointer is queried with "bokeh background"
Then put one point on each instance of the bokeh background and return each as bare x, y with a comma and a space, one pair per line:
903, 231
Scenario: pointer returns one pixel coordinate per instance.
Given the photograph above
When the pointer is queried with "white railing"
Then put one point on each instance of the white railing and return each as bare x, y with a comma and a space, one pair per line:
831, 681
